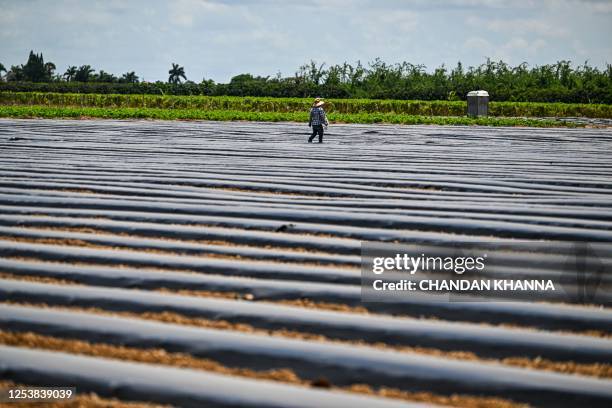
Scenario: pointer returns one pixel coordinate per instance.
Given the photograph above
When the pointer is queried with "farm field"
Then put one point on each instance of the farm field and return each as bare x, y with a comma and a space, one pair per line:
167, 107
51, 112
268, 104
194, 263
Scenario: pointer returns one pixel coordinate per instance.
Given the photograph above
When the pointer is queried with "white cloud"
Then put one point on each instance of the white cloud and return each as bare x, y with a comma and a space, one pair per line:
378, 24
487, 3
516, 49
403, 20
477, 43
520, 25
597, 6
266, 39
185, 12
522, 46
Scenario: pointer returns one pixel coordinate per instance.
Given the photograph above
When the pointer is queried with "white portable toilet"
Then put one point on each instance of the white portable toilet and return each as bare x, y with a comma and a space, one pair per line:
478, 103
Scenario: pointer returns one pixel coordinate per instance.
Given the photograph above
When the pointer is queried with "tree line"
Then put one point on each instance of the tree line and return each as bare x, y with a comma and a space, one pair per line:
558, 82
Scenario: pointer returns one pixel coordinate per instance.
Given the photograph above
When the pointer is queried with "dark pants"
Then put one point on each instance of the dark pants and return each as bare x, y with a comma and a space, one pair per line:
316, 129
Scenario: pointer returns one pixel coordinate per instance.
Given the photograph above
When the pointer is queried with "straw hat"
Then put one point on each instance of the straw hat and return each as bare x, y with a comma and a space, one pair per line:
318, 102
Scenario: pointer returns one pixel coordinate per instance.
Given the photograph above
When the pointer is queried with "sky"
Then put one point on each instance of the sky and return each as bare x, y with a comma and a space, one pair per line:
218, 39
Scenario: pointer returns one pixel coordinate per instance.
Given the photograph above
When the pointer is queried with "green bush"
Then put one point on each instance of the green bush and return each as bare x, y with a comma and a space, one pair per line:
37, 111
300, 105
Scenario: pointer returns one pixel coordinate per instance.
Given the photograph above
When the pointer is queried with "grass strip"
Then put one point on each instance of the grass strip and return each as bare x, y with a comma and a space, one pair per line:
55, 112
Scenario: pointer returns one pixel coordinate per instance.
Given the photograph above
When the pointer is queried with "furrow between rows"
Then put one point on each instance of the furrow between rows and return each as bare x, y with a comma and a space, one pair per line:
343, 365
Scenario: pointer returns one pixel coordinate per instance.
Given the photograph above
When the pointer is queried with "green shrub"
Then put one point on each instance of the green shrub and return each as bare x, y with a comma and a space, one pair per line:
300, 105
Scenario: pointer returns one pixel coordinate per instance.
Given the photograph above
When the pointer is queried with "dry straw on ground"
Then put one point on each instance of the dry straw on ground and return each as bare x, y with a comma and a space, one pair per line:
161, 356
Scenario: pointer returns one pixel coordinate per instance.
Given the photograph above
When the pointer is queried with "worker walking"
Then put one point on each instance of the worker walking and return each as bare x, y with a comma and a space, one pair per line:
317, 120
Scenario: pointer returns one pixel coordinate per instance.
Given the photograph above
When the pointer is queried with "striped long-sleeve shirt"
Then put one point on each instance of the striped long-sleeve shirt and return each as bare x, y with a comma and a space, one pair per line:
317, 117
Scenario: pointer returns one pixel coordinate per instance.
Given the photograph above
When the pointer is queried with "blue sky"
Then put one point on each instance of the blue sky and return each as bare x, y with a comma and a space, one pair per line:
218, 39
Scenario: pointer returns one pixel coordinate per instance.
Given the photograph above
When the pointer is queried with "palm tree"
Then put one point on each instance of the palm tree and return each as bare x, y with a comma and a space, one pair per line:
176, 73
83, 73
70, 73
50, 67
103, 76
15, 73
130, 77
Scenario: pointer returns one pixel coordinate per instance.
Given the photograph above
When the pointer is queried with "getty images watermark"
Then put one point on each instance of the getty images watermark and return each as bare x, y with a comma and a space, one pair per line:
574, 272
